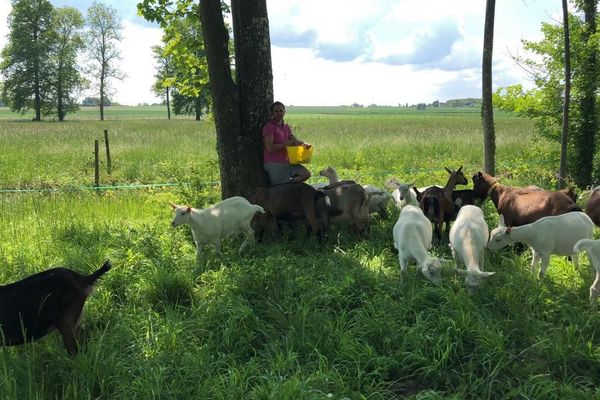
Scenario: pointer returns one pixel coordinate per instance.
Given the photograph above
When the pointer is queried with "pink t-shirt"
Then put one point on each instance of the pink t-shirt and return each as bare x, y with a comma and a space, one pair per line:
280, 135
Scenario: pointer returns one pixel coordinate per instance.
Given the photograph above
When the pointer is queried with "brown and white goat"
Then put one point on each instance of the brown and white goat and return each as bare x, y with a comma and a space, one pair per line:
50, 300
349, 204
521, 206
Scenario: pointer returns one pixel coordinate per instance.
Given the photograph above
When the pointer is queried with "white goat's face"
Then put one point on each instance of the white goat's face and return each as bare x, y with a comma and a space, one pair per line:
327, 172
432, 270
474, 278
499, 238
404, 191
182, 215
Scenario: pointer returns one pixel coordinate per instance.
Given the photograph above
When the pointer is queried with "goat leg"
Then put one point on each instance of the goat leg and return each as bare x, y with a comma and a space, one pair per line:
594, 291
545, 262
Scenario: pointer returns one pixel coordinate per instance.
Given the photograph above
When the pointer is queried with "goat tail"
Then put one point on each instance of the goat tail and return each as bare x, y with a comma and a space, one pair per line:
583, 244
99, 272
258, 208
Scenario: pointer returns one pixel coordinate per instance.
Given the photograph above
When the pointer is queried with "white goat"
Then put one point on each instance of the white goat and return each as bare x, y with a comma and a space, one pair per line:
378, 198
210, 225
468, 236
549, 235
403, 193
412, 238
592, 248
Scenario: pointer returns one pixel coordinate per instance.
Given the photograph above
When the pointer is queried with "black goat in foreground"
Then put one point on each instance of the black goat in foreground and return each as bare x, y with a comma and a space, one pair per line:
44, 302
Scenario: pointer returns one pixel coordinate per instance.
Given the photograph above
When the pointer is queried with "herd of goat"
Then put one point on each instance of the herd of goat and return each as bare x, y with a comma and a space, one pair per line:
549, 222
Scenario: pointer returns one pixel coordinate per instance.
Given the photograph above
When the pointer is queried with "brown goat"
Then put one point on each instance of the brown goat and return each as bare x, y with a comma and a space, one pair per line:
521, 206
437, 203
349, 203
569, 191
290, 202
51, 300
592, 208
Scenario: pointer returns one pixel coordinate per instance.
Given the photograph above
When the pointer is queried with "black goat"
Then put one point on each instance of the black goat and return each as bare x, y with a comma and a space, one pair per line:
50, 300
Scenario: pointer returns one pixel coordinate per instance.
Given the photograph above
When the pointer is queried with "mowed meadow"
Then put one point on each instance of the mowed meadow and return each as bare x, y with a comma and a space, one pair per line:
291, 319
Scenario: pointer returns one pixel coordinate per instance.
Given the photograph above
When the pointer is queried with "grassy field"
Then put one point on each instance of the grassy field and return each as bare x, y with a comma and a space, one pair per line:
288, 320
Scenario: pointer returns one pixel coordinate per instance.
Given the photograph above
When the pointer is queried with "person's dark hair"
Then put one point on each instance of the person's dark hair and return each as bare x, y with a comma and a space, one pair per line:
277, 103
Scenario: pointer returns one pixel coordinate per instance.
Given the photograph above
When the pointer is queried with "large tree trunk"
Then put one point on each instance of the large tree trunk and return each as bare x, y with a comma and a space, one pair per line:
487, 108
254, 76
562, 173
239, 142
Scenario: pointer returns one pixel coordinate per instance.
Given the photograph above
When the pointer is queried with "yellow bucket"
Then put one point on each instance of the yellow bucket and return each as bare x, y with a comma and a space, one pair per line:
299, 154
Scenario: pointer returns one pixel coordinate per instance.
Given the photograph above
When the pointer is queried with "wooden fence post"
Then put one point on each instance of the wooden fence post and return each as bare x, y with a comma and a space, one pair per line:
108, 163
96, 164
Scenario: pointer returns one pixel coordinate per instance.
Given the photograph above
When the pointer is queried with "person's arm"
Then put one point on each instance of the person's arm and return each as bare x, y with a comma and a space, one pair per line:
297, 142
272, 147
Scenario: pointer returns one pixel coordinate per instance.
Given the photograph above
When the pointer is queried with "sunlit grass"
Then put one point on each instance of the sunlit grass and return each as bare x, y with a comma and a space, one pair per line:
293, 319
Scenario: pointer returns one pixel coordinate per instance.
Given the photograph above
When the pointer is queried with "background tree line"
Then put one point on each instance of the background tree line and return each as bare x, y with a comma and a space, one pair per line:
53, 54
40, 62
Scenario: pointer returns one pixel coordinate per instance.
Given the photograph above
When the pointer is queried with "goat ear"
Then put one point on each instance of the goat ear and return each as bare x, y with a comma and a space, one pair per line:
485, 274
173, 206
446, 168
501, 221
460, 169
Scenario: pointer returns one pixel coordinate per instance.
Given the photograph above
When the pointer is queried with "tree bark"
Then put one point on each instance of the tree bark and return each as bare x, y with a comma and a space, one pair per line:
168, 105
487, 108
239, 108
562, 172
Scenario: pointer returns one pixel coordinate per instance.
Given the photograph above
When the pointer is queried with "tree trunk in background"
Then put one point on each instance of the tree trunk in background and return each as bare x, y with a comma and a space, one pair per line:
168, 104
239, 109
487, 108
562, 173
102, 96
586, 83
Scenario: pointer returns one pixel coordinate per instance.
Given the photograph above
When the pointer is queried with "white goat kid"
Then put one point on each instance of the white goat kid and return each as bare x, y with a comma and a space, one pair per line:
546, 236
331, 175
221, 220
592, 248
403, 193
468, 236
412, 238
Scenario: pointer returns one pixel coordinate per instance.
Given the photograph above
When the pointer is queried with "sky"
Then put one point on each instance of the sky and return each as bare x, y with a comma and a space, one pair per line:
340, 52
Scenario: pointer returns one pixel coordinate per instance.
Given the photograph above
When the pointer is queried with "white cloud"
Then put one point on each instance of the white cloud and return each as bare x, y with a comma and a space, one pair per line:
5, 8
138, 65
339, 51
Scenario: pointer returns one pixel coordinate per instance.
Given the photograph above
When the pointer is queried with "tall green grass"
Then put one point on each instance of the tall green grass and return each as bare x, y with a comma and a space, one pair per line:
291, 319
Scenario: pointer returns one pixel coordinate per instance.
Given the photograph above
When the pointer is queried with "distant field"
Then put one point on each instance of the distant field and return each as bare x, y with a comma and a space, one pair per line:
369, 144
93, 113
160, 112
